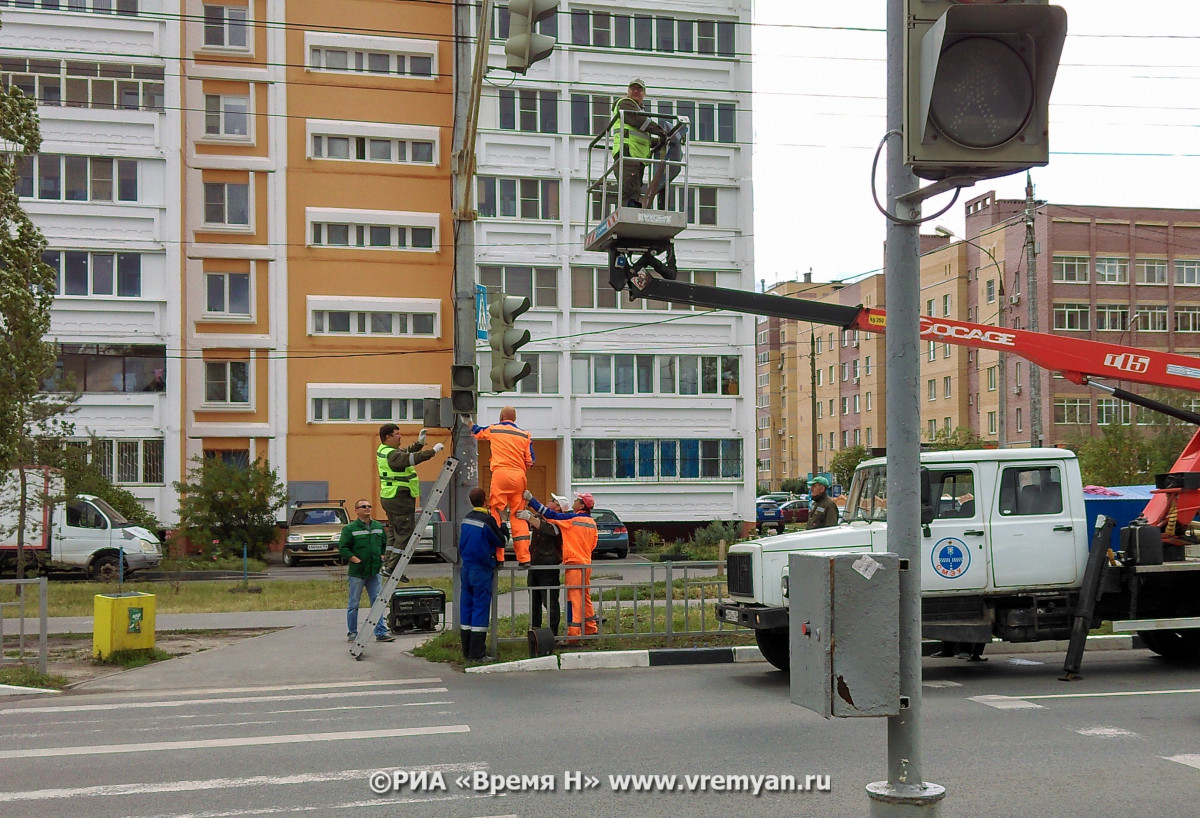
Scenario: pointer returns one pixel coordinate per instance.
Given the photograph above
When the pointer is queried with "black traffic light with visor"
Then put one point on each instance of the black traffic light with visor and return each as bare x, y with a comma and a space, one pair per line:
505, 340
462, 389
977, 82
525, 46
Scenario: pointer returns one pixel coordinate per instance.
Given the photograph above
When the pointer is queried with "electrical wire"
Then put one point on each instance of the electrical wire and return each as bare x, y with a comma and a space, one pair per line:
875, 195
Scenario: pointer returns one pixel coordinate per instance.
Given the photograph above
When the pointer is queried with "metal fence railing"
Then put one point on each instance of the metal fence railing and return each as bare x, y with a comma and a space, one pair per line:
656, 599
15, 647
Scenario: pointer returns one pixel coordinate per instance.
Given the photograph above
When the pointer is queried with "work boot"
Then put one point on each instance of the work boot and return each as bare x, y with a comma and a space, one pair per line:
465, 636
478, 646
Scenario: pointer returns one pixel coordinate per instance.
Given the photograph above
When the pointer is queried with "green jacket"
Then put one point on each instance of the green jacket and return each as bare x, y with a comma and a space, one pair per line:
365, 541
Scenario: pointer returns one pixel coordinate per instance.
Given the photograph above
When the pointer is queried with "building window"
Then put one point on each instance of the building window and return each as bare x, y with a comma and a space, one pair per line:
543, 374
931, 352
227, 382
548, 26
123, 7
989, 289
517, 198
1112, 270
946, 306
372, 236
867, 402
932, 429
656, 374
656, 460
227, 294
227, 203
77, 178
414, 64
1070, 269
225, 27
845, 371
83, 273
1072, 411
86, 84
931, 389
1020, 421
374, 322
1153, 319
238, 458
538, 284
373, 149
1187, 271
946, 388
1110, 411
528, 111
1071, 316
992, 375
590, 289
710, 122
992, 423
1151, 271
109, 368
124, 461
701, 205
643, 32
1112, 318
366, 410
226, 115
1187, 319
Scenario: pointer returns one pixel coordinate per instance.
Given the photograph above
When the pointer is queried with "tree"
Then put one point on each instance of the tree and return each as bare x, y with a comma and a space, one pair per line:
960, 437
1123, 454
844, 463
794, 485
27, 287
230, 504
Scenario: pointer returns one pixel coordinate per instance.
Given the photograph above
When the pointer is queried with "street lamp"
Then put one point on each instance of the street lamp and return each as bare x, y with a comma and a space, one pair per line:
1002, 379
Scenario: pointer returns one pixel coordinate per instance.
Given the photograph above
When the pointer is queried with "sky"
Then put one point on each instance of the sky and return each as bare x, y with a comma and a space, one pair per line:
1124, 126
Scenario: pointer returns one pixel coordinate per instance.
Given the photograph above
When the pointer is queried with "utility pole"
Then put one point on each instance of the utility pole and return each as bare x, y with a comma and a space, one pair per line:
468, 84
1031, 294
812, 371
905, 792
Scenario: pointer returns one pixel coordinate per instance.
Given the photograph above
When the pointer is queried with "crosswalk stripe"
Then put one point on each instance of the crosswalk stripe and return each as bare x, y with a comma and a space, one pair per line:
130, 705
1190, 759
244, 741
1107, 732
1005, 702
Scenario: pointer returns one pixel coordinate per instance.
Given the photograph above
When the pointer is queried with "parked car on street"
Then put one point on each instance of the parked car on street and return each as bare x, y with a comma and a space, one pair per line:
775, 497
795, 511
313, 532
613, 536
769, 516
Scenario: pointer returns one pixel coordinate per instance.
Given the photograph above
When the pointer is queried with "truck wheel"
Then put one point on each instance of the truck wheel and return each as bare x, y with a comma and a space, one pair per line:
1175, 646
106, 569
775, 647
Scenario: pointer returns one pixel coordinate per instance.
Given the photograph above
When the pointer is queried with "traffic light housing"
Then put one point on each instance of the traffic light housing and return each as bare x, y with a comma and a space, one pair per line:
525, 46
977, 82
462, 389
505, 340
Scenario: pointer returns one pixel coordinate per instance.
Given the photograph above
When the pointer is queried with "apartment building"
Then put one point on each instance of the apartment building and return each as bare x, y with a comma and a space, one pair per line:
104, 191
647, 405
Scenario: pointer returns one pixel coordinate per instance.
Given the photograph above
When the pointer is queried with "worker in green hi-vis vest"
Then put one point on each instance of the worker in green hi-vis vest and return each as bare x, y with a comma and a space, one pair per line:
399, 488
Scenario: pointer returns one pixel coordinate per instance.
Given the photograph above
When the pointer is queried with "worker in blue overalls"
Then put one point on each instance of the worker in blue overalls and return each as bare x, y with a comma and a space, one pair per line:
478, 540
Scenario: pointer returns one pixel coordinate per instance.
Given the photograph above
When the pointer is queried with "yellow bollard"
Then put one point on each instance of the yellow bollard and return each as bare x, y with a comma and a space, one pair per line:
122, 622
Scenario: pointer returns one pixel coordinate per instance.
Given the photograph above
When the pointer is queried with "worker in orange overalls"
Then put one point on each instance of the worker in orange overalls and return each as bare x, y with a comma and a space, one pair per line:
512, 455
579, 540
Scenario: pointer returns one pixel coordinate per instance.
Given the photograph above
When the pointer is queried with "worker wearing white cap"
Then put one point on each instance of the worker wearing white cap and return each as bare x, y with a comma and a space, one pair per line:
633, 137
545, 548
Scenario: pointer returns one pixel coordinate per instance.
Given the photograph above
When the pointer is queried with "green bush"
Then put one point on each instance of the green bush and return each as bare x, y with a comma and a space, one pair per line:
704, 544
645, 540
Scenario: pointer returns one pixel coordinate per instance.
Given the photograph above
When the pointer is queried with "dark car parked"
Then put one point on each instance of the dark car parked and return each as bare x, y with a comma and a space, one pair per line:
769, 516
794, 511
613, 536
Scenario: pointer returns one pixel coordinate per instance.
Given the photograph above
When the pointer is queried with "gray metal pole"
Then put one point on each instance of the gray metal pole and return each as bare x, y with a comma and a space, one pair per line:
1031, 293
905, 792
812, 372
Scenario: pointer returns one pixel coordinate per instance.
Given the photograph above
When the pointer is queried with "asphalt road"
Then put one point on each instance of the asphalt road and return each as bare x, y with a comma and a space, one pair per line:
1005, 738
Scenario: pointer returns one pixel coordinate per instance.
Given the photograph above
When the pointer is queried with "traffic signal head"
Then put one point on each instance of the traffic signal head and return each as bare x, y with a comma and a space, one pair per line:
462, 389
977, 84
505, 340
524, 46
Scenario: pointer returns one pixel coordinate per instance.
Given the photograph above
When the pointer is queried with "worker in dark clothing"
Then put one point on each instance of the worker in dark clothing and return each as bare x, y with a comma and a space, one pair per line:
634, 137
824, 511
478, 539
399, 488
546, 548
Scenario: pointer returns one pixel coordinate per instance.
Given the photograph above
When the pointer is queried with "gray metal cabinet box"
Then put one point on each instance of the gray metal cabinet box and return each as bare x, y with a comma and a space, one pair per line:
844, 623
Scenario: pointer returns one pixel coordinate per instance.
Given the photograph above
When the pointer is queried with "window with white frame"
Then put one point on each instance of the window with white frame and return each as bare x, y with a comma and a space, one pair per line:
417, 150
657, 374
945, 350
389, 317
762, 401
1072, 411
1187, 319
764, 443
1020, 420
854, 369
1070, 269
932, 351
590, 289
867, 402
538, 284
845, 406
764, 465
931, 389
49, 176
1112, 317
867, 366
992, 422
856, 405
366, 410
125, 462
528, 110
946, 388
656, 459
992, 376
227, 294
1072, 316
227, 115
227, 382
845, 371
226, 27
764, 421
373, 229
989, 291
94, 273
1153, 319
1151, 271
710, 121
946, 306
1111, 411
123, 7
763, 358
664, 34
227, 203
820, 377
1112, 270
1187, 271
79, 84
517, 198
701, 204
820, 410
932, 429
371, 55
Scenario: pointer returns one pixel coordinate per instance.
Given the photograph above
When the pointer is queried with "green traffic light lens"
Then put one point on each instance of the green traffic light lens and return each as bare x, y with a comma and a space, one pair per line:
983, 94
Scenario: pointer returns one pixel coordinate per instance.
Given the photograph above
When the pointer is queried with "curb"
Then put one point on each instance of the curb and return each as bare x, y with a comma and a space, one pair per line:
667, 657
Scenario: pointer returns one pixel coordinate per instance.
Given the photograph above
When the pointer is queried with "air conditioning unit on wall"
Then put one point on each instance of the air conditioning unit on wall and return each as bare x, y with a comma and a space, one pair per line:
1016, 390
1014, 299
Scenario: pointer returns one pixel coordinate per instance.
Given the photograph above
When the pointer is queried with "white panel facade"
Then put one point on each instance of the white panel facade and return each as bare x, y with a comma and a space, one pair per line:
109, 104
659, 450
